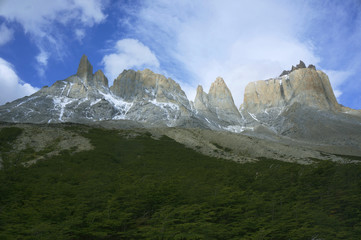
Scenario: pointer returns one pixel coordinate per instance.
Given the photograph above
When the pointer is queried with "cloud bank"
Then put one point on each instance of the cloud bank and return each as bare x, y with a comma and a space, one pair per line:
11, 86
128, 54
241, 41
45, 21
6, 34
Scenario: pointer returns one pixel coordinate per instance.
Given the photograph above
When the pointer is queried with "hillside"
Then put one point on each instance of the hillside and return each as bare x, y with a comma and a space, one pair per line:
298, 109
131, 184
138, 160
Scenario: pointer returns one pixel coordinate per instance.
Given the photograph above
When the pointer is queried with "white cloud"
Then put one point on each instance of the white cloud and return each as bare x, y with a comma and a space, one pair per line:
241, 41
128, 54
11, 86
337, 78
91, 11
79, 34
42, 58
36, 15
45, 21
6, 34
337, 93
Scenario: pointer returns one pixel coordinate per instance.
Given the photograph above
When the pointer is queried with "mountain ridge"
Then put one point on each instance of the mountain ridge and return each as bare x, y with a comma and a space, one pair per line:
153, 100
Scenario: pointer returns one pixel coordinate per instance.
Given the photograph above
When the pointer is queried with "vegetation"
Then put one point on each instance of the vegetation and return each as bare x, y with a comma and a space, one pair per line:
7, 136
141, 188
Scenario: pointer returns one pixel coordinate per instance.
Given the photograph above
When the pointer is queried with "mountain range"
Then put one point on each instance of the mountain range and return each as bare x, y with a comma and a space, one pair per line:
298, 105
138, 160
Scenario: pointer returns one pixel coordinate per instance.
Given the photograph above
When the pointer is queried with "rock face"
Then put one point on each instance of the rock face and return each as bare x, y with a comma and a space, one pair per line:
298, 66
141, 96
79, 98
304, 85
85, 69
299, 104
145, 85
148, 86
217, 105
154, 97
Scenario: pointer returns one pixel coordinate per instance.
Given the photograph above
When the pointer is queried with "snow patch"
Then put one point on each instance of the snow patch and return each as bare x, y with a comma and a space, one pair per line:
29, 111
237, 128
234, 128
207, 120
253, 116
60, 104
27, 100
119, 104
95, 102
62, 91
165, 105
81, 101
70, 86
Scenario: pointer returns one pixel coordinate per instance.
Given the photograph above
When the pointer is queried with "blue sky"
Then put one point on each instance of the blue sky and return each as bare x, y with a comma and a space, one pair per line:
191, 41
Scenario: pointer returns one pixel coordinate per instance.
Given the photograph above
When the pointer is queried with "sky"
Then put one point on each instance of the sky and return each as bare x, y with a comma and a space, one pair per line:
190, 41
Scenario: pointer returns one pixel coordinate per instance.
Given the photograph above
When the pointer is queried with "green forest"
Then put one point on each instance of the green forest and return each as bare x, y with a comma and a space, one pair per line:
142, 188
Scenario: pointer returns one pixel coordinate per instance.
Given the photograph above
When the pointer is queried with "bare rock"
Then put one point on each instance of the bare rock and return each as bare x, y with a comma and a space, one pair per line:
85, 69
146, 85
305, 85
156, 99
300, 65
285, 72
311, 66
201, 99
100, 80
220, 96
218, 104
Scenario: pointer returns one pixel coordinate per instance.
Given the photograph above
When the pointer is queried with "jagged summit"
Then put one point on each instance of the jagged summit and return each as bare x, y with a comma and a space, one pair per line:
157, 97
220, 95
301, 105
298, 66
306, 86
85, 69
217, 104
85, 73
147, 85
151, 99
100, 78
201, 99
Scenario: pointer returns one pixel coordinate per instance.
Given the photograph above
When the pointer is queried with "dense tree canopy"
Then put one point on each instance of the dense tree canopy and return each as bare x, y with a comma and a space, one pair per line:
142, 188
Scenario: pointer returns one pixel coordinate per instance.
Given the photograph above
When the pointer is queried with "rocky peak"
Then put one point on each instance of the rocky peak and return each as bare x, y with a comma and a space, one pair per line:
311, 66
84, 84
100, 79
218, 103
201, 99
220, 96
85, 69
199, 89
305, 86
85, 73
298, 66
146, 85
301, 65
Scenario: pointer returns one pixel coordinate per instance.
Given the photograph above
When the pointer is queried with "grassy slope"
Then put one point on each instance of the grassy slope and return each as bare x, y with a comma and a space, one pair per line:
143, 188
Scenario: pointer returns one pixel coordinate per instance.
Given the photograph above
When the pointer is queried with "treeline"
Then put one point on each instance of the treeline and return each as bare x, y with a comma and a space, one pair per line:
141, 188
